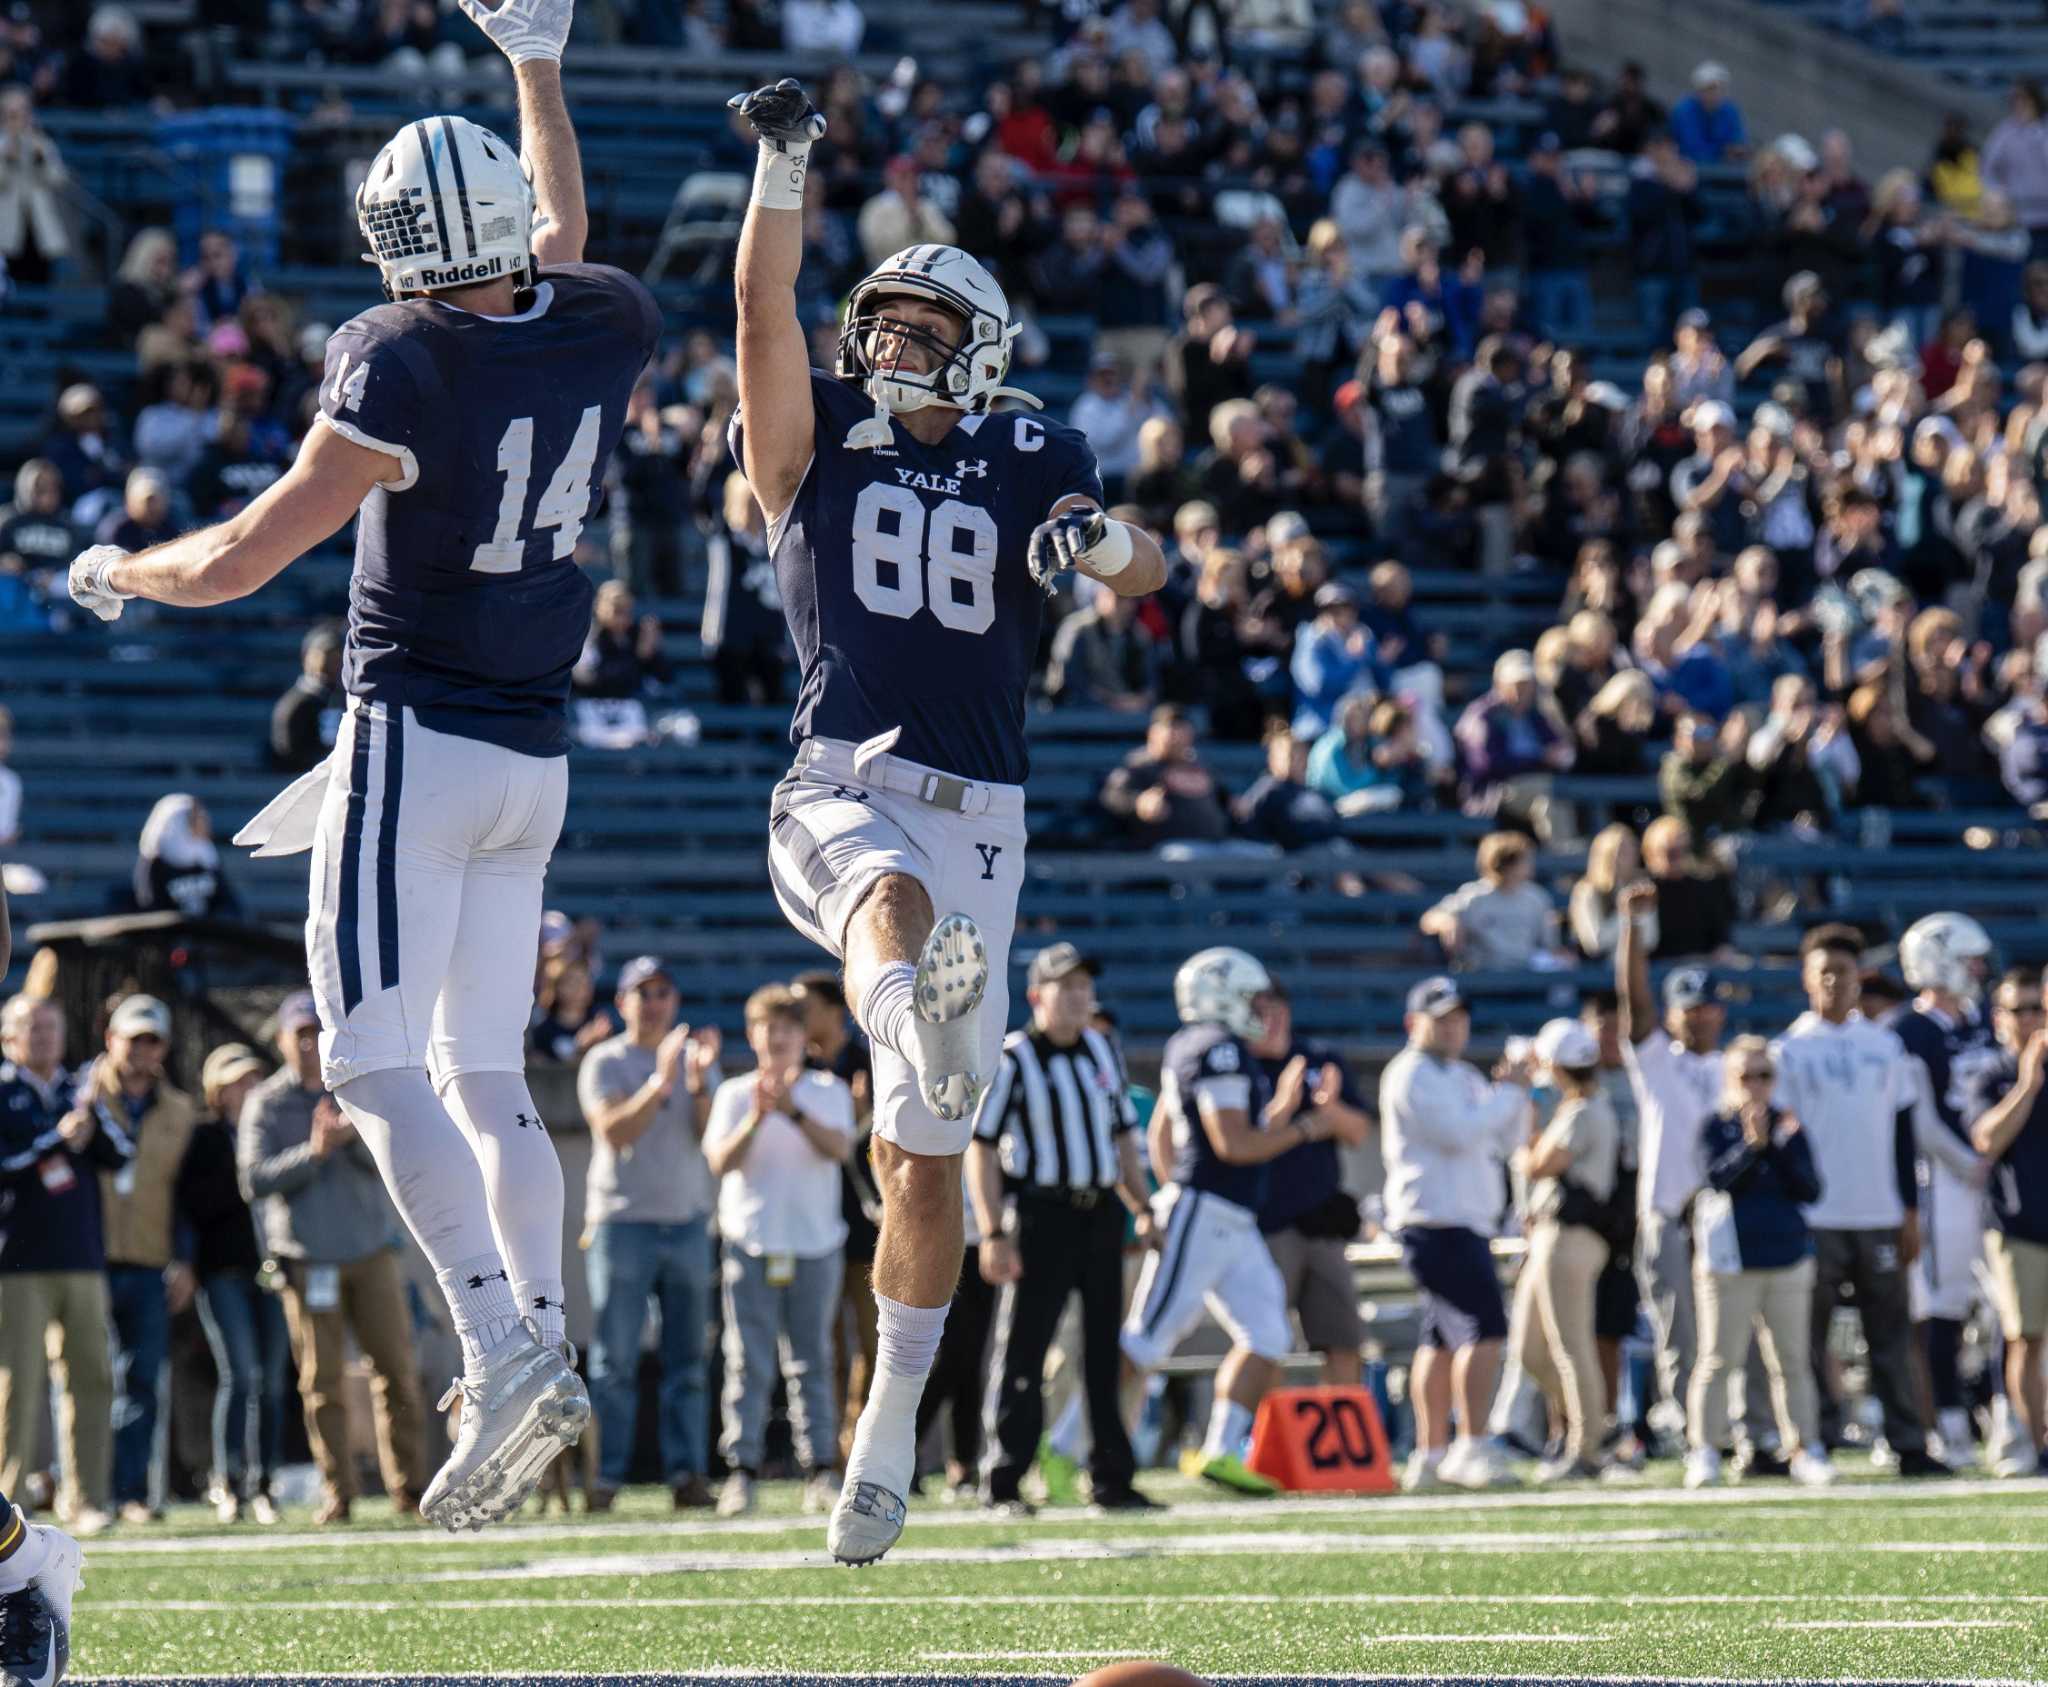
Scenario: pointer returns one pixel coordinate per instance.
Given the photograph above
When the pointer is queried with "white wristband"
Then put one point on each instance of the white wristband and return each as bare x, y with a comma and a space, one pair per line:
1111, 554
779, 176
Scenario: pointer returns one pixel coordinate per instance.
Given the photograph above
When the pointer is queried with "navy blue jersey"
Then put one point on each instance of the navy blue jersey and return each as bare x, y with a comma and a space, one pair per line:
467, 605
1956, 1054
1304, 1178
2019, 1180
904, 580
1207, 1061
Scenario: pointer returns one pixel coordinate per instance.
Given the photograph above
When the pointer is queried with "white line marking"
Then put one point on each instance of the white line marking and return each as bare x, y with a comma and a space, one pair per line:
1480, 1639
1875, 1622
1015, 1657
924, 1517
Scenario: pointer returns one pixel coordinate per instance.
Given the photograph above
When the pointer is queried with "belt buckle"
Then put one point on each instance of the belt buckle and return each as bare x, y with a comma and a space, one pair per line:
942, 790
1086, 1200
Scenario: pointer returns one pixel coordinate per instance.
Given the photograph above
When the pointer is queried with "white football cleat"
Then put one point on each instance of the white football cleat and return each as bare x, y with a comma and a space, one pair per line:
952, 978
1422, 1473
1703, 1468
1812, 1468
35, 1620
867, 1521
528, 1406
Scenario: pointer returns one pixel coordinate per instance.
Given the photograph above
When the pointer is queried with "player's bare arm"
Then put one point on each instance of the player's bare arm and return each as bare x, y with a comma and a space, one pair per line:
776, 413
547, 142
313, 500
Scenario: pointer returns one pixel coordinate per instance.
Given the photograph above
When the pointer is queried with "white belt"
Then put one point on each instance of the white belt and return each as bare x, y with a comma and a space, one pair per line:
872, 763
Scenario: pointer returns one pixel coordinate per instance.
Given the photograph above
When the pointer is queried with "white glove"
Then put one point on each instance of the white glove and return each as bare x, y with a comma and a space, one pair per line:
88, 582
524, 29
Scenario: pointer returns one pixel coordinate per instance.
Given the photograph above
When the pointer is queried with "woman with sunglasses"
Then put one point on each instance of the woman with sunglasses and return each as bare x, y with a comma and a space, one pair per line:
1753, 1268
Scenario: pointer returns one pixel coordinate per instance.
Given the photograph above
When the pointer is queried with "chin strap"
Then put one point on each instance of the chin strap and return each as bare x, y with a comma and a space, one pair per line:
874, 433
1018, 393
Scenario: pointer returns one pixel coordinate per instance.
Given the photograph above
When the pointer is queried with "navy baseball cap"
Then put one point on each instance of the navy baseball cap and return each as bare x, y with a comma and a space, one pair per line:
1435, 997
639, 970
1690, 987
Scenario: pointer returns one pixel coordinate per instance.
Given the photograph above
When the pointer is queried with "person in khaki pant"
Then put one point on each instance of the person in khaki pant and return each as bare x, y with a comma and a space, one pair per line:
53, 1280
125, 1090
327, 1221
1570, 1165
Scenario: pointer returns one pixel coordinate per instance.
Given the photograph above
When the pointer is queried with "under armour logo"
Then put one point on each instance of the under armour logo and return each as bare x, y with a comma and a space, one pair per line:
988, 853
846, 793
476, 1282
963, 468
527, 1120
541, 1303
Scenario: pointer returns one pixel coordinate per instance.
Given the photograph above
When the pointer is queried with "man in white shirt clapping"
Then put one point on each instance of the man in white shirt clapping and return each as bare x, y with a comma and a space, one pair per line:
1851, 1086
776, 1140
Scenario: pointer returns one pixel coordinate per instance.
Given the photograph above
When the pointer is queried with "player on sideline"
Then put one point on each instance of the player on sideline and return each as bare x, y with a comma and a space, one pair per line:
1945, 958
470, 420
911, 530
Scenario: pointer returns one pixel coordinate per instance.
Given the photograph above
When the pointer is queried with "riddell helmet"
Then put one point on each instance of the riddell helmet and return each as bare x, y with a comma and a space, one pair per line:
1936, 952
1221, 987
446, 204
968, 375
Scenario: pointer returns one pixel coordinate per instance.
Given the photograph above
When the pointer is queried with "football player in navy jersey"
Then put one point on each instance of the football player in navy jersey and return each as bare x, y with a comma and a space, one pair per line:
913, 529
1945, 958
465, 425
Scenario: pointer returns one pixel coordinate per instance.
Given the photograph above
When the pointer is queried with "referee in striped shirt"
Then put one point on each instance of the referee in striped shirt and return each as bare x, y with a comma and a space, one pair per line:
1053, 1171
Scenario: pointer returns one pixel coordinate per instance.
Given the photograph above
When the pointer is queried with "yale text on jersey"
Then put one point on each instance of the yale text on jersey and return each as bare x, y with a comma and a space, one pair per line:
933, 482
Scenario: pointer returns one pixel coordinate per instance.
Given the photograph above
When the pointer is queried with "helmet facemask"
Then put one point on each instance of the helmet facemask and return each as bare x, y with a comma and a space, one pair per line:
884, 377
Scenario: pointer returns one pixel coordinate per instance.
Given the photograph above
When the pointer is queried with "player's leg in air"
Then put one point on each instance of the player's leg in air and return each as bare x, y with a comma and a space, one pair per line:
433, 821
38, 1575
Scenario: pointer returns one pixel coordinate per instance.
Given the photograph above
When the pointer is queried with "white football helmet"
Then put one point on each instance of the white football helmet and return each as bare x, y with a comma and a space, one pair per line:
1221, 987
1936, 952
446, 204
969, 375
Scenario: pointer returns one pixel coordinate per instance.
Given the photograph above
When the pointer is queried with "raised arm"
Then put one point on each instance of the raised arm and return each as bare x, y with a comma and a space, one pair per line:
532, 34
776, 419
1636, 906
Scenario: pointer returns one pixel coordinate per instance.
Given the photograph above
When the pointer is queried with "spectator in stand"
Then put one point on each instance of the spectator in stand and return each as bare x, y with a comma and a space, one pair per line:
1308, 1216
1481, 201
1557, 207
743, 626
86, 451
1101, 657
1334, 309
1371, 759
1613, 862
176, 424
177, 866
1264, 276
1208, 362
2011, 1132
829, 28
1162, 795
1444, 1131
109, 74
622, 656
1755, 1274
126, 1092
650, 502
1334, 657
1501, 921
645, 1093
218, 284
1801, 760
2015, 161
1706, 125
306, 719
1110, 411
570, 1023
1371, 211
1698, 368
1131, 316
1849, 1084
775, 1141
901, 215
1695, 900
1803, 346
33, 235
1570, 1165
327, 1221
1070, 274
244, 1321
1705, 780
54, 1314
144, 516
1510, 741
1280, 808
145, 285
35, 527
1211, 651
1661, 208
1163, 480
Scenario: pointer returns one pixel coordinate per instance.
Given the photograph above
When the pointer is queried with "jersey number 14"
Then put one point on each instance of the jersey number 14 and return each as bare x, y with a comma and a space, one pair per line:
562, 506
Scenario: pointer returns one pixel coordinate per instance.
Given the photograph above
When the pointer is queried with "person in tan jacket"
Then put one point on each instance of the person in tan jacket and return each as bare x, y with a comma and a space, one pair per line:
146, 1286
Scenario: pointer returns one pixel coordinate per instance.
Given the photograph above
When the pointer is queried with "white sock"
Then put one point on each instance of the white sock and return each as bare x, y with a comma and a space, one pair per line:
1229, 1426
885, 1439
523, 1183
479, 1294
1434, 1456
1069, 1433
888, 1013
30, 1555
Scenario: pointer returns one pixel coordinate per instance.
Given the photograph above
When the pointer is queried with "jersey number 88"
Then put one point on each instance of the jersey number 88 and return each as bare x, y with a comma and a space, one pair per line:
932, 558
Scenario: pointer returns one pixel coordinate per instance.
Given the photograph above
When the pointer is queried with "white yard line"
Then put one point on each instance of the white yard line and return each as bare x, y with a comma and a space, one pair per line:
1481, 1639
1875, 1622
1018, 1657
924, 1518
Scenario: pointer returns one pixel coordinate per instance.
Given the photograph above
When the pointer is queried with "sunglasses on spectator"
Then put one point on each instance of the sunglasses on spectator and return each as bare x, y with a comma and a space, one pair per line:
1763, 1076
2020, 1010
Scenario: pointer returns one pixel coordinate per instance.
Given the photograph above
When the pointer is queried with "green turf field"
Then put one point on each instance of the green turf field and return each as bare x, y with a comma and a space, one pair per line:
1876, 1582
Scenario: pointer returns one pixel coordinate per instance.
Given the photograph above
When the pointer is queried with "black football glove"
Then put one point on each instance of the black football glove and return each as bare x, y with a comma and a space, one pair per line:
1059, 544
782, 115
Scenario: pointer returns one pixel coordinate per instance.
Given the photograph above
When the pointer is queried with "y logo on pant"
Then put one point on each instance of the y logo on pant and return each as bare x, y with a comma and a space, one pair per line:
988, 853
